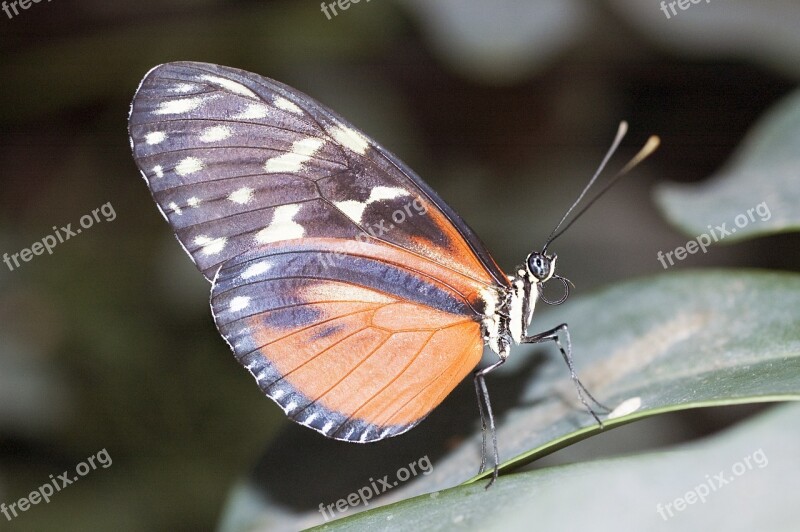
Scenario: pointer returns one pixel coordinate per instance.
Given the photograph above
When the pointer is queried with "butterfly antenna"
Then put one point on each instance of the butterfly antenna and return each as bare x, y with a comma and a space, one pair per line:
621, 131
649, 147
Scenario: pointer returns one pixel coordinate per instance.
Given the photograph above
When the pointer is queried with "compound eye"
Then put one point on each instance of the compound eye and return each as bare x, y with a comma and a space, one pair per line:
538, 266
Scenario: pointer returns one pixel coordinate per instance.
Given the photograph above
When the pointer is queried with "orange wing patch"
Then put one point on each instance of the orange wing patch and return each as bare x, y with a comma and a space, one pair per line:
430, 370
359, 349
453, 251
386, 365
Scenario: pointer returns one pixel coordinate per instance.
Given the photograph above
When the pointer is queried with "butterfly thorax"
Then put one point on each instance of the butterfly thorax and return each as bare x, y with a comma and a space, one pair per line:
508, 311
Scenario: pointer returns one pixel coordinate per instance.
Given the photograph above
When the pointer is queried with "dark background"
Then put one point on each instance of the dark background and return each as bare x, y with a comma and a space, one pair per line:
505, 109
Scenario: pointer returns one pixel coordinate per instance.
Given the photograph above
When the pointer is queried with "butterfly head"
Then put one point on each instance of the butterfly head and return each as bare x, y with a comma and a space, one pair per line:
541, 266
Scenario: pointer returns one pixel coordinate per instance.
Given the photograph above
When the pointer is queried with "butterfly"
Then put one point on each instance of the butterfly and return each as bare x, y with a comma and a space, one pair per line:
352, 293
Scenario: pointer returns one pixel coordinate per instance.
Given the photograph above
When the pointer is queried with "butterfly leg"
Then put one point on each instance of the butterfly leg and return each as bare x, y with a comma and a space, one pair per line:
553, 335
483, 399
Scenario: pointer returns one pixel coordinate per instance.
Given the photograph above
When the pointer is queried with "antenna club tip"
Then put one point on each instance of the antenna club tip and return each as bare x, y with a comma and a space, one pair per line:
652, 144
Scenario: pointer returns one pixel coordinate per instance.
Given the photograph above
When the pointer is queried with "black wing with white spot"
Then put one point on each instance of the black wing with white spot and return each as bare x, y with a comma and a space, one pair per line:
236, 161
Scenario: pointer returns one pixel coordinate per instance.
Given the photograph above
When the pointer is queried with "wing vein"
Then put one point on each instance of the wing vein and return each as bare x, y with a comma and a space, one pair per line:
350, 372
384, 387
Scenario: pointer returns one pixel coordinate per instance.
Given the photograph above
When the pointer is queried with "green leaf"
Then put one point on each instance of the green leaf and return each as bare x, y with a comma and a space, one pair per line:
743, 479
672, 342
501, 42
758, 191
742, 31
676, 341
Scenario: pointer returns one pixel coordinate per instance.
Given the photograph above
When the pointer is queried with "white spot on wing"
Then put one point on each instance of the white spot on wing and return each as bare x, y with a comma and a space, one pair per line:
188, 166
355, 209
215, 134
352, 209
286, 105
183, 105
155, 137
158, 170
349, 138
238, 303
252, 112
302, 150
210, 246
384, 193
229, 84
174, 206
242, 195
182, 88
256, 269
282, 227
327, 427
193, 202
277, 394
628, 406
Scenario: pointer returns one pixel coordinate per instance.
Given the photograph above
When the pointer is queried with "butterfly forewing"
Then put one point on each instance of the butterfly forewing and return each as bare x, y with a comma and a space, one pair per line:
235, 160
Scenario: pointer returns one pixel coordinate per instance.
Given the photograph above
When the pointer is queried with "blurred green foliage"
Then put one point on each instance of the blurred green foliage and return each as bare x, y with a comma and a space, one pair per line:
504, 108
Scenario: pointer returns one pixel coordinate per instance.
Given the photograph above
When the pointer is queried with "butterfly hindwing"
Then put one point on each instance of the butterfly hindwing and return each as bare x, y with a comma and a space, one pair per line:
235, 161
360, 347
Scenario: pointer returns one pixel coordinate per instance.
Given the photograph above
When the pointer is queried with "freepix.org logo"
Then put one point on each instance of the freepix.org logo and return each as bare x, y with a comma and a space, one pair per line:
55, 485
15, 5
376, 487
383, 226
715, 234
683, 5
343, 5
59, 236
711, 484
